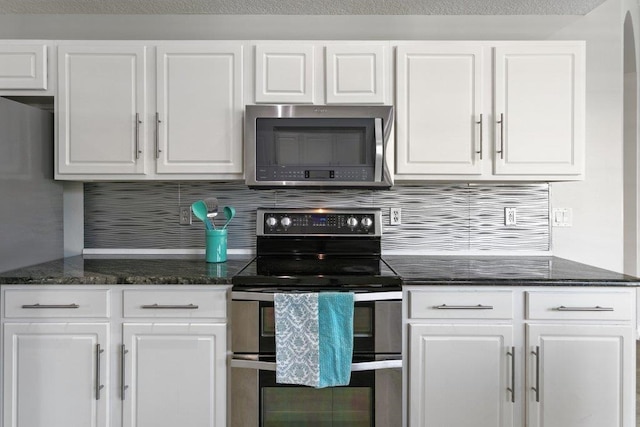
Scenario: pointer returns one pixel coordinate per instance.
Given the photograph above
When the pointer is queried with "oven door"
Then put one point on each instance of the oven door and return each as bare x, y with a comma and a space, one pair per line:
372, 399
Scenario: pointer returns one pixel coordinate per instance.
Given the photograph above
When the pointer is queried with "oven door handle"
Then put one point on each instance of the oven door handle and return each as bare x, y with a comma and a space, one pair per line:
358, 297
358, 366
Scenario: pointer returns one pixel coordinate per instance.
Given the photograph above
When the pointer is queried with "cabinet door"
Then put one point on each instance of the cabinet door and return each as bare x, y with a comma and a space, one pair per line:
23, 66
199, 121
101, 108
580, 376
356, 73
52, 372
438, 116
539, 110
285, 73
461, 375
176, 375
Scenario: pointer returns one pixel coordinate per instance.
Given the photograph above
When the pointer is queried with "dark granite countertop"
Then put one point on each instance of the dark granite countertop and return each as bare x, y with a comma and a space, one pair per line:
500, 270
418, 270
103, 270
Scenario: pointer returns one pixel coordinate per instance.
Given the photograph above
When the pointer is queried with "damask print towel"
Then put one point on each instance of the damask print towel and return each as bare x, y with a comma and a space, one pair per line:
314, 338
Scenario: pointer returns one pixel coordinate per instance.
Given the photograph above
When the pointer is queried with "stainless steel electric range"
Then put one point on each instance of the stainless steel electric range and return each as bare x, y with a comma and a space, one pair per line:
316, 250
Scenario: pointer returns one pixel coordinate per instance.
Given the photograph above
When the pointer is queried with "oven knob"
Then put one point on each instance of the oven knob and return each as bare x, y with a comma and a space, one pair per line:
366, 222
271, 222
285, 221
352, 222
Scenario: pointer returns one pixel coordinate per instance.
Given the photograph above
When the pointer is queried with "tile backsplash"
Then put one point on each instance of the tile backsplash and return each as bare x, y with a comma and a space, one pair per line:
435, 217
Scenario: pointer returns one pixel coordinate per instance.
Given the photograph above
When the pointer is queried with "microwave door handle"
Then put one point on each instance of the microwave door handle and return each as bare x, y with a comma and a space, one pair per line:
377, 170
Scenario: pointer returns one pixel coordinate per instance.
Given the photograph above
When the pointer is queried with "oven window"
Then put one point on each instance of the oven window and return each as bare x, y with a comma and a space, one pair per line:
293, 406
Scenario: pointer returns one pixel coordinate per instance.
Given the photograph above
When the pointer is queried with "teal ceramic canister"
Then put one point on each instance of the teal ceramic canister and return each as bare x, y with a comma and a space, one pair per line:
216, 245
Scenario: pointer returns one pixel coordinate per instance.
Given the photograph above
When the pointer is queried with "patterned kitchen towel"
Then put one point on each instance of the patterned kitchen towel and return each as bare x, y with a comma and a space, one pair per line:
314, 338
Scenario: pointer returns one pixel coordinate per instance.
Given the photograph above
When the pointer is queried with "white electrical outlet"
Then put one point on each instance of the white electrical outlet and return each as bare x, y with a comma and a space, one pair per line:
510, 217
395, 216
185, 215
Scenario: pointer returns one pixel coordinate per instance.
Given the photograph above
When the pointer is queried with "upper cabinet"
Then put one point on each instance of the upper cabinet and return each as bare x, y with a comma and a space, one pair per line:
200, 109
490, 111
101, 110
24, 68
322, 73
121, 118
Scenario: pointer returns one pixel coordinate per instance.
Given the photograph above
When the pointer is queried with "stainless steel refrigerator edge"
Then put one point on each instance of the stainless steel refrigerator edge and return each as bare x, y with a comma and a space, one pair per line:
31, 212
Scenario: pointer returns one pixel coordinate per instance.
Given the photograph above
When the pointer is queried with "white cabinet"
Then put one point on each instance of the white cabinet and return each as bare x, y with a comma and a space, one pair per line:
54, 373
488, 356
580, 358
460, 375
539, 109
350, 72
461, 358
175, 374
55, 365
580, 375
174, 357
439, 110
200, 108
24, 67
114, 356
490, 110
119, 117
101, 110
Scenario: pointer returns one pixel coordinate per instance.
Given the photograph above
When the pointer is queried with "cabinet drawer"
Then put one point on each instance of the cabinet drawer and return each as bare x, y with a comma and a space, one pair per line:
580, 305
204, 303
461, 304
22, 303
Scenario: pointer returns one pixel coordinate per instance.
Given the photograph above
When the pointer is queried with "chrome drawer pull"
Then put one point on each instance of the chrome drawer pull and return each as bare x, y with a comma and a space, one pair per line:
123, 359
50, 306
170, 307
99, 386
596, 308
536, 353
463, 307
512, 389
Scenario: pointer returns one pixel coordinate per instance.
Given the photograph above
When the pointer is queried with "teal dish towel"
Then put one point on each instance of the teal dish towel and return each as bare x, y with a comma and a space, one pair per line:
314, 338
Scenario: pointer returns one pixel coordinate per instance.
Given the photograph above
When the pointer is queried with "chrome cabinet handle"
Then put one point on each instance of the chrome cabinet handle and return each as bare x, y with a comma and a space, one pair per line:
596, 308
480, 123
169, 307
537, 387
512, 389
50, 306
501, 123
99, 386
463, 307
158, 121
123, 386
138, 122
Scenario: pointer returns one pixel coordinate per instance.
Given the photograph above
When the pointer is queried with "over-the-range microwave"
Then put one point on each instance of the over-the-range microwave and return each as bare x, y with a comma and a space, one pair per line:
342, 146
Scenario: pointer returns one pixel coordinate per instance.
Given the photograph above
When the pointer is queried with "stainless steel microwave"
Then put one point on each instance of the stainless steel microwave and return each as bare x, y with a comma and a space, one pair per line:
318, 146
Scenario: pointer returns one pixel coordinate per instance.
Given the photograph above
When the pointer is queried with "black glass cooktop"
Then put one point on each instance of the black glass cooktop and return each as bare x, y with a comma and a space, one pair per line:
287, 272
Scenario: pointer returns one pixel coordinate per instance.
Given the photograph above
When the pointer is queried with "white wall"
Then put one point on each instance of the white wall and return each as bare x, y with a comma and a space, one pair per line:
597, 234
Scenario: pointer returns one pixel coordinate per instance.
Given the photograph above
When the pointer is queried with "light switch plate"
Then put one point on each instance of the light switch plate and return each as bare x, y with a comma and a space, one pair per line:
562, 217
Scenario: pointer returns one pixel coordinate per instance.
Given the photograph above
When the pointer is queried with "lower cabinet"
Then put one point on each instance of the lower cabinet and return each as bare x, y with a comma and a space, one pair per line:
54, 374
117, 356
174, 375
460, 375
482, 357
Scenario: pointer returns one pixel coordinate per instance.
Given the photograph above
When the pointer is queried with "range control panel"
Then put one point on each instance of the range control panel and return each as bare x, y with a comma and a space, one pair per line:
308, 222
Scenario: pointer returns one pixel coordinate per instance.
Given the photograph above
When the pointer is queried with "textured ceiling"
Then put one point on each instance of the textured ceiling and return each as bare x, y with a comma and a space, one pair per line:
302, 7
